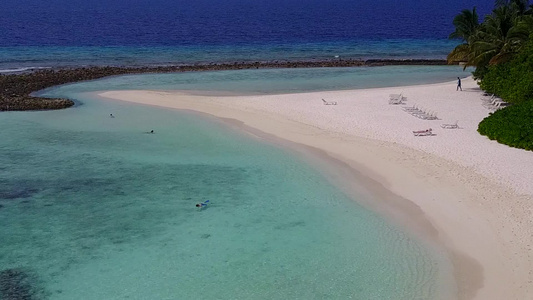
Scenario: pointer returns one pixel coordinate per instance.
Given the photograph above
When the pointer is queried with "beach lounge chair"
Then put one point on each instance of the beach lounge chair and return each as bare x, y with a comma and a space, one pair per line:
423, 132
421, 114
495, 103
491, 102
450, 126
488, 97
396, 99
410, 108
397, 96
329, 102
499, 105
431, 116
414, 111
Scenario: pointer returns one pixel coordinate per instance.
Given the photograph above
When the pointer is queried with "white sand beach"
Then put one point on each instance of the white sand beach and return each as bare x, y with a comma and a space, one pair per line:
477, 194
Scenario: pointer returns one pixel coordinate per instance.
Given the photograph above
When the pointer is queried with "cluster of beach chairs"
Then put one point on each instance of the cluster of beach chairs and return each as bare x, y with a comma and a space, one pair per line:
397, 99
493, 102
421, 113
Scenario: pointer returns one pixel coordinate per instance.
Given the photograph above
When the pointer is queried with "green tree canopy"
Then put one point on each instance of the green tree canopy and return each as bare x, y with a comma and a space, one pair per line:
497, 39
465, 24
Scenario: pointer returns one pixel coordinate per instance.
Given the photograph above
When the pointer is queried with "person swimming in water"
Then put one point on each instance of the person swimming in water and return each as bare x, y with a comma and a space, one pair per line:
202, 205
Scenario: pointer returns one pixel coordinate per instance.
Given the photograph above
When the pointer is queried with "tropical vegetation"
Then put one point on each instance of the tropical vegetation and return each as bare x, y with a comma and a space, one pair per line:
496, 40
509, 126
512, 81
501, 50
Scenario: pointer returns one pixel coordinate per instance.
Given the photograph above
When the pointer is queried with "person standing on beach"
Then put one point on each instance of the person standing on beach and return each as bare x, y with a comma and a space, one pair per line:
459, 84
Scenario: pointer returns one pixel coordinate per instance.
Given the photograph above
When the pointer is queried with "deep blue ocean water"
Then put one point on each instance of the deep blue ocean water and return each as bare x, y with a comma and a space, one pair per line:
36, 33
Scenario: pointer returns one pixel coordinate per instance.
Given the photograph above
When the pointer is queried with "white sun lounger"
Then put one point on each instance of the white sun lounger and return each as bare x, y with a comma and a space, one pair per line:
329, 102
431, 116
488, 98
397, 96
410, 108
490, 103
450, 126
499, 105
397, 99
495, 103
423, 132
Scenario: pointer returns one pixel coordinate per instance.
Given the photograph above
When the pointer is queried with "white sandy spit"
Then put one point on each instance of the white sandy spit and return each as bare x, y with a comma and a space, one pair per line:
478, 194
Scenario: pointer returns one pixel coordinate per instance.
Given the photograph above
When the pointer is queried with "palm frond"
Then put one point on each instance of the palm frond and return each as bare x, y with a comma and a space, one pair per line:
465, 24
460, 54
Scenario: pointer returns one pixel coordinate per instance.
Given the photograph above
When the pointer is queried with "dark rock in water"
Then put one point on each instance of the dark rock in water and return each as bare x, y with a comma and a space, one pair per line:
15, 284
18, 193
1, 206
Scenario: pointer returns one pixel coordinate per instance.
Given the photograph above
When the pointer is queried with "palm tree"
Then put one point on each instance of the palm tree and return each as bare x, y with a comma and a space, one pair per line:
497, 39
521, 6
524, 26
465, 24
501, 35
461, 54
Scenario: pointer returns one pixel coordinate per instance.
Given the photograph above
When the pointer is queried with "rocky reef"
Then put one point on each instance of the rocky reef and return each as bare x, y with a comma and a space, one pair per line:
16, 89
16, 284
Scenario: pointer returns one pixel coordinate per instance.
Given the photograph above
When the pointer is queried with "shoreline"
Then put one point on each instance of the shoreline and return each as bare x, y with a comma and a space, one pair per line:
479, 217
17, 89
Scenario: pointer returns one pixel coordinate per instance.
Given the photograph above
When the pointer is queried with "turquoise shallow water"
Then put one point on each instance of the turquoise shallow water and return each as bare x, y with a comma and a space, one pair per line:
94, 208
268, 81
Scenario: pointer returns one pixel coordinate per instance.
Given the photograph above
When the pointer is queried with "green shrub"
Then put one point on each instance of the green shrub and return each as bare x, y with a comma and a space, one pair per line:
513, 80
511, 126
480, 72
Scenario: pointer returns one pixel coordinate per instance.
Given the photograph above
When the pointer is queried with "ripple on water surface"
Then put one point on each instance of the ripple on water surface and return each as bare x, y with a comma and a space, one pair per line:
93, 208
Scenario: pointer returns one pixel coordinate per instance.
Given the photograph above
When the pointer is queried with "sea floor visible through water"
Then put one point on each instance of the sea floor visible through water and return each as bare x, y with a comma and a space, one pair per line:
94, 207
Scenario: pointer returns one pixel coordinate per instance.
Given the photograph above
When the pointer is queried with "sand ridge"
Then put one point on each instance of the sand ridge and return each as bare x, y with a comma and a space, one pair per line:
476, 192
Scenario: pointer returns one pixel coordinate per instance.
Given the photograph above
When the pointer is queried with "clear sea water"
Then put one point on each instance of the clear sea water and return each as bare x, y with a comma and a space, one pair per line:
272, 81
92, 207
35, 33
